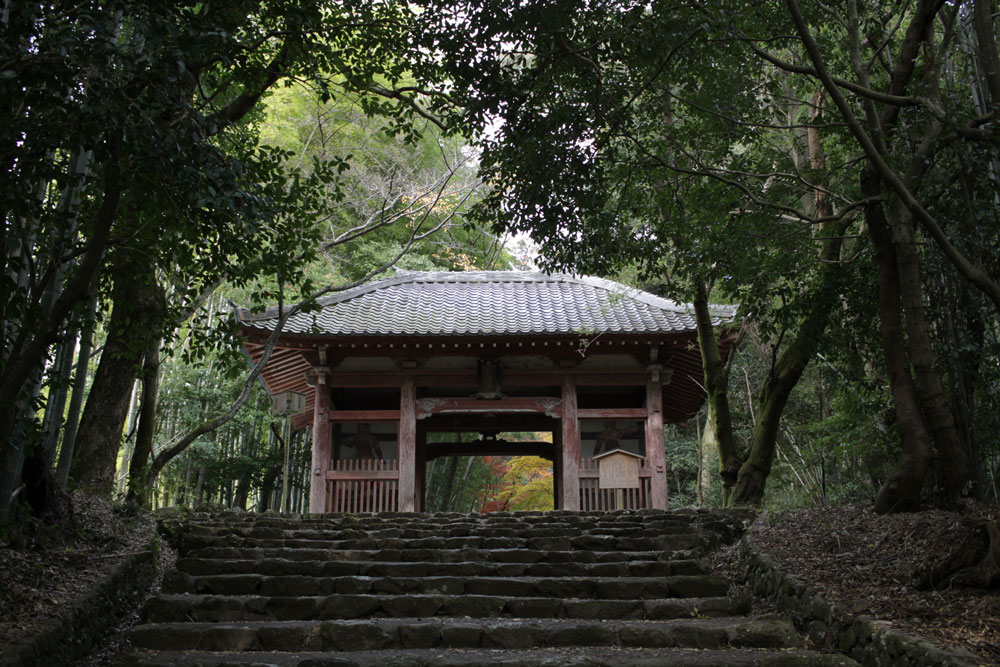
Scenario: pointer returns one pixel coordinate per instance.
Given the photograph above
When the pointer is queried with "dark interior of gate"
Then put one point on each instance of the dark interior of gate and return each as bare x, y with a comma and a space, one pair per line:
383, 399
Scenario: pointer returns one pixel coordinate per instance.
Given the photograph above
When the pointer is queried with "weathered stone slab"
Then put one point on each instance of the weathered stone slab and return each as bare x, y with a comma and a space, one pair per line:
355, 636
698, 586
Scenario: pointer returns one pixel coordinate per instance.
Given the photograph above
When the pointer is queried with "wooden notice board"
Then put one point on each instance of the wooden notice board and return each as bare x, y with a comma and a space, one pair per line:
618, 469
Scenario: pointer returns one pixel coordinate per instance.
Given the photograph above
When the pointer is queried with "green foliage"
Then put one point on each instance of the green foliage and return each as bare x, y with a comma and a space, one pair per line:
679, 142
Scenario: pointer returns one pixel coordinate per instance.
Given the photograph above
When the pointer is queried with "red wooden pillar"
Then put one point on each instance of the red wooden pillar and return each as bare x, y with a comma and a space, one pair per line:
569, 457
320, 445
420, 490
557, 471
655, 456
407, 446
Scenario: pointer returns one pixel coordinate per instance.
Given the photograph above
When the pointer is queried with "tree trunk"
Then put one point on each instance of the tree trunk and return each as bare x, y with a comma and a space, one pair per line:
79, 388
134, 319
716, 370
901, 492
199, 487
933, 402
184, 497
788, 369
708, 451
55, 406
140, 484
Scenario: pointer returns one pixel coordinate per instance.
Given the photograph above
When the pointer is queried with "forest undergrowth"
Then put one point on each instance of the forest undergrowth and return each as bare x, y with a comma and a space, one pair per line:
872, 565
45, 569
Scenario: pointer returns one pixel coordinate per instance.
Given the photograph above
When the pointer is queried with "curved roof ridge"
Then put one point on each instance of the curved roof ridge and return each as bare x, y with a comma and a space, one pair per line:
444, 314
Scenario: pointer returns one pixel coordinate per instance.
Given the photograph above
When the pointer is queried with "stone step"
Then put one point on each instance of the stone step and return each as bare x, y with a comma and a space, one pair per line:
371, 568
392, 633
602, 588
237, 608
557, 588
442, 555
520, 518
581, 542
550, 657
440, 518
279, 532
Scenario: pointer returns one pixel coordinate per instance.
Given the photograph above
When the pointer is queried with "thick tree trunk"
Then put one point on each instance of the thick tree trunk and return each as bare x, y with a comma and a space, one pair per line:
901, 492
716, 370
199, 487
139, 482
55, 406
134, 319
930, 391
752, 478
787, 371
708, 451
79, 388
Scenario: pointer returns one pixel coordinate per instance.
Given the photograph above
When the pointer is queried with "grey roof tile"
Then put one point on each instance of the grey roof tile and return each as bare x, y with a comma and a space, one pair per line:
488, 303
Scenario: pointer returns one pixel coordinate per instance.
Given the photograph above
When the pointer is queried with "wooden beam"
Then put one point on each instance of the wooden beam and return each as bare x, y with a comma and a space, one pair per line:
420, 476
586, 377
611, 413
363, 415
407, 446
320, 448
361, 474
595, 473
570, 453
476, 406
655, 455
557, 470
477, 422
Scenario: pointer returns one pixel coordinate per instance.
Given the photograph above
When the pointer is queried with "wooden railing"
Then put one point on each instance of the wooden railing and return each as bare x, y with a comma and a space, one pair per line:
593, 498
362, 485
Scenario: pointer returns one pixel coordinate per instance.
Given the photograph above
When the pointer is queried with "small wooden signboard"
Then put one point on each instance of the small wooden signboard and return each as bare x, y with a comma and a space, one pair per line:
618, 470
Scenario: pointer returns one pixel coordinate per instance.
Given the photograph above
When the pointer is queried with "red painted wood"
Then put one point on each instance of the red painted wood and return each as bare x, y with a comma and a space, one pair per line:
320, 450
362, 485
474, 406
362, 474
557, 469
363, 415
570, 454
611, 413
508, 423
421, 471
655, 456
407, 446
586, 377
594, 498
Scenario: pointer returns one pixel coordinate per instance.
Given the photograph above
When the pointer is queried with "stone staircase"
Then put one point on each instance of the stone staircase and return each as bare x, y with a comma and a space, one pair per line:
528, 588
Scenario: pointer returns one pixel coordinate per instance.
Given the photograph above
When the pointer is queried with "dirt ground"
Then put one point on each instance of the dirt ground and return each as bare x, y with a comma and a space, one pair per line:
53, 567
868, 564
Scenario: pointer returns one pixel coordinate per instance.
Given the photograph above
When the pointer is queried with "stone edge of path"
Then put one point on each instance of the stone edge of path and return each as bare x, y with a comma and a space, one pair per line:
83, 624
872, 643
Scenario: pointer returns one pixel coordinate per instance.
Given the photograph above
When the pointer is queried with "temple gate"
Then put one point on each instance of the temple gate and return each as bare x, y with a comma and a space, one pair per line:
385, 365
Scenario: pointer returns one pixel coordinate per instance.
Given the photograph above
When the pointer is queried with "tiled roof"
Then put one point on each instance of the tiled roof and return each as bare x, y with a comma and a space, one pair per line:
416, 303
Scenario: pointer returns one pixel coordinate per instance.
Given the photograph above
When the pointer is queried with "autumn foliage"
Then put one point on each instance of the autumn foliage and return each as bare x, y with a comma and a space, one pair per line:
516, 483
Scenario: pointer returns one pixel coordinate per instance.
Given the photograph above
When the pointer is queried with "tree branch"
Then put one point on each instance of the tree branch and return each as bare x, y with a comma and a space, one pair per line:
971, 272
